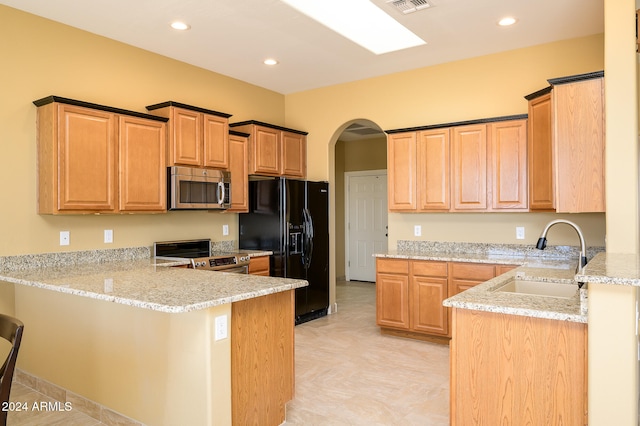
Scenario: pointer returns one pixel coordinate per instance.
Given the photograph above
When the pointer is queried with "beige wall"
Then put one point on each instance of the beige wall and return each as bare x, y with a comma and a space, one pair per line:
353, 156
46, 58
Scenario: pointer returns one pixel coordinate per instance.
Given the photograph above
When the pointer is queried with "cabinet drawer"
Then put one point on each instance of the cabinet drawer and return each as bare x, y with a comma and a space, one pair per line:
428, 268
392, 266
474, 271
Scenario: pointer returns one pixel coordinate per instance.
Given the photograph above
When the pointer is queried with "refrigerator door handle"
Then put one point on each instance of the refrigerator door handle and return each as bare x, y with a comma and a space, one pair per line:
308, 238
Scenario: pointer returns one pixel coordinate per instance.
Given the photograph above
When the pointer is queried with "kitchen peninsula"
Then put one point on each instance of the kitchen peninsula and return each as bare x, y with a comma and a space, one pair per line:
135, 335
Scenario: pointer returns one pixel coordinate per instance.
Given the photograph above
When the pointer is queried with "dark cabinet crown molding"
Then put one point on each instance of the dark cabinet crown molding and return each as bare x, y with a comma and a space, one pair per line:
67, 101
189, 107
459, 123
272, 126
574, 78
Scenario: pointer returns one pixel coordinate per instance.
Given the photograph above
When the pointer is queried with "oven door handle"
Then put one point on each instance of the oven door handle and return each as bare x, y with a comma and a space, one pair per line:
244, 269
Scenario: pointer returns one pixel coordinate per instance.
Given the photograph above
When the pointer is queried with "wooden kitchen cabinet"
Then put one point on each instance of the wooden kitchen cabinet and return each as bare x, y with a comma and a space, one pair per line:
392, 293
98, 159
275, 150
469, 167
409, 294
259, 266
239, 169
402, 171
427, 291
510, 369
418, 170
198, 137
142, 146
508, 149
540, 153
566, 152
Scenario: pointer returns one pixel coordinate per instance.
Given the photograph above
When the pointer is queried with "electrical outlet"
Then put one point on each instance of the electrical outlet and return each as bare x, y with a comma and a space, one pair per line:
221, 327
417, 230
519, 232
225, 229
108, 236
64, 238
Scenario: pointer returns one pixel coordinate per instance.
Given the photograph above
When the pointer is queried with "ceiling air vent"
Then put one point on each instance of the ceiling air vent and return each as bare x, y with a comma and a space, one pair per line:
409, 6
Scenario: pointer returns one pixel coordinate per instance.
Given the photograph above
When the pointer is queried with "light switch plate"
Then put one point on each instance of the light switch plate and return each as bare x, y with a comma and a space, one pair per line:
519, 232
108, 236
225, 229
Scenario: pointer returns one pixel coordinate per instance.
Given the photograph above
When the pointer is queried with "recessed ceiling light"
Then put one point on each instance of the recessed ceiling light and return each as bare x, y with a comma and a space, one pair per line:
178, 25
505, 22
360, 21
270, 61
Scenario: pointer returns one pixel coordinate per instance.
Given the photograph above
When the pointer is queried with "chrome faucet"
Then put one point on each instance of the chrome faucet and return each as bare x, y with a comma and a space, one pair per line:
542, 241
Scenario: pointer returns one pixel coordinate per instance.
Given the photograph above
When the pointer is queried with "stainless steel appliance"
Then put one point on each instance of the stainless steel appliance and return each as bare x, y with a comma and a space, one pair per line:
192, 188
291, 218
199, 254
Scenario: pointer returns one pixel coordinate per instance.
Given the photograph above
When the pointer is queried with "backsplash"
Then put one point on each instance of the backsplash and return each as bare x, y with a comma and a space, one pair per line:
52, 260
561, 252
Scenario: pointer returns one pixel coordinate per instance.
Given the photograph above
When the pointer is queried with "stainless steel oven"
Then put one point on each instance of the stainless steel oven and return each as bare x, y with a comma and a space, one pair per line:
198, 252
191, 188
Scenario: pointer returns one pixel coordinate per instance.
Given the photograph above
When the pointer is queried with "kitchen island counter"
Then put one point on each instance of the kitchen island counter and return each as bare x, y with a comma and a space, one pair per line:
131, 334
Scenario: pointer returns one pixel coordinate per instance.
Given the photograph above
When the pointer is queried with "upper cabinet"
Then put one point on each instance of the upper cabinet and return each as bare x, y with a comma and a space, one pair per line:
275, 150
197, 137
238, 166
97, 159
479, 166
566, 153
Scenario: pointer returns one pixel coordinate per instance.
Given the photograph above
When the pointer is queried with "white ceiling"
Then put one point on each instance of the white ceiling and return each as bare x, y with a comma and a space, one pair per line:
234, 37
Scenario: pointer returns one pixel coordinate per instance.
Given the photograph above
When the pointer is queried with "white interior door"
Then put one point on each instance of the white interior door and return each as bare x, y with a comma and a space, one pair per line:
366, 222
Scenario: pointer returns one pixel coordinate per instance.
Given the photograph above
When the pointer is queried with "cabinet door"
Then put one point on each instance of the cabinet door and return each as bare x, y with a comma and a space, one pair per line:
541, 169
216, 141
579, 144
509, 164
433, 169
265, 151
401, 171
87, 159
238, 166
186, 141
469, 167
294, 154
392, 300
425, 298
142, 181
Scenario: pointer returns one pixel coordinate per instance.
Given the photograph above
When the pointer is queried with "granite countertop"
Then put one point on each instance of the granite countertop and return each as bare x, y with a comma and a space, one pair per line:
483, 297
141, 282
612, 268
555, 264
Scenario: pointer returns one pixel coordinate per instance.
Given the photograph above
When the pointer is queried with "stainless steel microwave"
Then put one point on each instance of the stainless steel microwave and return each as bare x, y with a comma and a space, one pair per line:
191, 188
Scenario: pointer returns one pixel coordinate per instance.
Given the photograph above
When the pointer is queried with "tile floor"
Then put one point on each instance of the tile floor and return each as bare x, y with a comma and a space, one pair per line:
346, 374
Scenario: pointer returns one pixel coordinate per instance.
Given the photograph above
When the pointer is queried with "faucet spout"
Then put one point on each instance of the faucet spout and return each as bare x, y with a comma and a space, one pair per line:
542, 241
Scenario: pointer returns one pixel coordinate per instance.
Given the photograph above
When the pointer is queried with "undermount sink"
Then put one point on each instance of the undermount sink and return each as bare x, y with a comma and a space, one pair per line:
539, 288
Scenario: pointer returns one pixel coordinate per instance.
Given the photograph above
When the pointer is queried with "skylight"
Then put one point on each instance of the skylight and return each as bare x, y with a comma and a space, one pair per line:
360, 21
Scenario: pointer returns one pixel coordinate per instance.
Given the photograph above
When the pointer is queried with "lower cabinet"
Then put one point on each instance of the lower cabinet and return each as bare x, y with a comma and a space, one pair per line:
409, 294
510, 369
259, 266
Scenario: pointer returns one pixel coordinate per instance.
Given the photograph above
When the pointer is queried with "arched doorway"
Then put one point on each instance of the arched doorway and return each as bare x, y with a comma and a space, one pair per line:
360, 162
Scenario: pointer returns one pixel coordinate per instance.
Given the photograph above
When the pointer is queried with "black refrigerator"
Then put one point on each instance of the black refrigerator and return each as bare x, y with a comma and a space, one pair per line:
291, 218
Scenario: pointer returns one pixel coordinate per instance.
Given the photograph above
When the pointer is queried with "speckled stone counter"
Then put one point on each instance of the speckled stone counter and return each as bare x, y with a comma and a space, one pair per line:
128, 278
612, 268
555, 264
